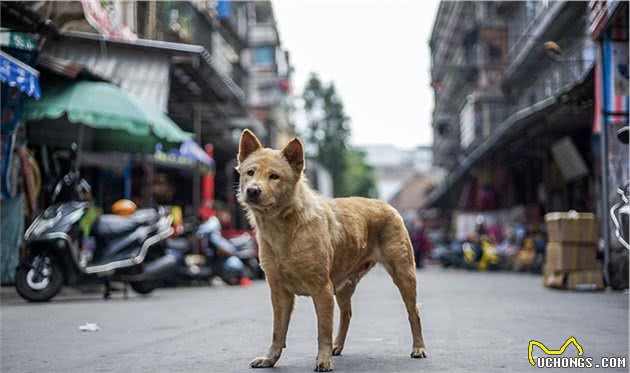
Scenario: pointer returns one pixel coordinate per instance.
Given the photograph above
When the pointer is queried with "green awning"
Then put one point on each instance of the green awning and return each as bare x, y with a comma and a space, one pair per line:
104, 106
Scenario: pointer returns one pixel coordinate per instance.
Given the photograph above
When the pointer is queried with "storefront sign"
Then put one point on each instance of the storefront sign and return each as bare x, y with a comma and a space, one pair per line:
186, 155
105, 17
17, 40
17, 74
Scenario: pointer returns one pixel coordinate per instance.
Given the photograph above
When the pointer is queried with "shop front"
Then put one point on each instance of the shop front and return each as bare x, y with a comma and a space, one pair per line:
609, 28
539, 160
19, 178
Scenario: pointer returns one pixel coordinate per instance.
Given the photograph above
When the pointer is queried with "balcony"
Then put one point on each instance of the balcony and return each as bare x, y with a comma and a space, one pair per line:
265, 91
263, 34
191, 23
560, 21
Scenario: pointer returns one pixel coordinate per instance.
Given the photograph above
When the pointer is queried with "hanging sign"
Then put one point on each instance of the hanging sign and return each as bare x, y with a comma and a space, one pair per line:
105, 17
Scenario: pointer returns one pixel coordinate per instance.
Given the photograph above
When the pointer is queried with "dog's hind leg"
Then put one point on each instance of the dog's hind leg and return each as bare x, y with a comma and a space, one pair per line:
398, 260
345, 313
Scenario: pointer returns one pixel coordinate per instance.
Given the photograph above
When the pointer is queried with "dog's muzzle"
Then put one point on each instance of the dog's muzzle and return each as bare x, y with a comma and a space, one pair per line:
253, 194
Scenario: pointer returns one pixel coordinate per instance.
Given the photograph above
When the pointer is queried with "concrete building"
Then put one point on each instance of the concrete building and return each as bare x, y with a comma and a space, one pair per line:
468, 55
549, 48
515, 108
269, 73
393, 166
214, 67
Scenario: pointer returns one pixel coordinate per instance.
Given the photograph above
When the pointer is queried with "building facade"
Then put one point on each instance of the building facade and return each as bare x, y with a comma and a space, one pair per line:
393, 166
513, 88
269, 69
213, 67
468, 56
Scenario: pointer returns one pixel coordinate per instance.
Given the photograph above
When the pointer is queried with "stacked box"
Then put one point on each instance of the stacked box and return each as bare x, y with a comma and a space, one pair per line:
571, 227
570, 256
571, 260
575, 280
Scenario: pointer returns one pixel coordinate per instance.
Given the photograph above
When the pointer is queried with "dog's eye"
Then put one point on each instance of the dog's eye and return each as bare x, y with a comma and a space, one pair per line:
250, 173
274, 177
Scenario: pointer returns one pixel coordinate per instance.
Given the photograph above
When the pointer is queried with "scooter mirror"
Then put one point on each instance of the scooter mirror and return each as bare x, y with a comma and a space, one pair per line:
74, 154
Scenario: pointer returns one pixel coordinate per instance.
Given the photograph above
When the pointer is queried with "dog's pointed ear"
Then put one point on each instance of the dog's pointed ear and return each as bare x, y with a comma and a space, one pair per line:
249, 143
294, 153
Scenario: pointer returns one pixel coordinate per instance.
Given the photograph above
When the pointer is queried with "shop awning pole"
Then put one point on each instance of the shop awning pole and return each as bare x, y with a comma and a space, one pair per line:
207, 182
603, 139
197, 176
128, 174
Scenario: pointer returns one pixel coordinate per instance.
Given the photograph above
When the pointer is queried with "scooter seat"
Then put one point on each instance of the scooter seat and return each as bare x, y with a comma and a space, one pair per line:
108, 225
180, 244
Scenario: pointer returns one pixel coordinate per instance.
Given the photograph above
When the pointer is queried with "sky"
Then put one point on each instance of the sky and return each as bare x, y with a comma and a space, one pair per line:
377, 54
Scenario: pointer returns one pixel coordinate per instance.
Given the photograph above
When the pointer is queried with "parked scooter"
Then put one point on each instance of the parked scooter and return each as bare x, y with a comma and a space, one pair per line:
620, 211
449, 255
620, 217
481, 255
69, 243
230, 260
246, 251
480, 252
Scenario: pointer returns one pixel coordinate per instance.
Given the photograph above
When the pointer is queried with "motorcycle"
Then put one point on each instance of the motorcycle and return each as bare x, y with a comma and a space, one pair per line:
620, 217
247, 252
481, 255
231, 260
70, 243
449, 255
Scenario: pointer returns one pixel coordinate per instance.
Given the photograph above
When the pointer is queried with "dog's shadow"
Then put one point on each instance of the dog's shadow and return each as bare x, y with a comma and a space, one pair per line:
358, 363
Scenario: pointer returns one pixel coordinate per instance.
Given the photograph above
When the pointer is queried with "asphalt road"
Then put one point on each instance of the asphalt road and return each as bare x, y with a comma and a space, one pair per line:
472, 322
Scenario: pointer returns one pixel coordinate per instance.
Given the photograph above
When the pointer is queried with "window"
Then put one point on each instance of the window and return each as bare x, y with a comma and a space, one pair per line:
263, 12
532, 10
264, 56
495, 53
442, 128
492, 10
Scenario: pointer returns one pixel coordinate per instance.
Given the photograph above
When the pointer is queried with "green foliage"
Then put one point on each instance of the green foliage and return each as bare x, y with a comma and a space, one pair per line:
328, 132
359, 176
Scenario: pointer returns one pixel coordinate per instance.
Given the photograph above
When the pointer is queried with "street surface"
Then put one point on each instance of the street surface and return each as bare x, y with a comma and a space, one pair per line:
472, 322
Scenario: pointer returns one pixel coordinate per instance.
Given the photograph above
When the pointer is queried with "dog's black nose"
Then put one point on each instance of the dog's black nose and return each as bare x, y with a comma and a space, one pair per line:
253, 193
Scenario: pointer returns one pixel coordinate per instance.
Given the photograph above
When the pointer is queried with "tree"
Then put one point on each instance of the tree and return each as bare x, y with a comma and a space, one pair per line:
359, 176
328, 133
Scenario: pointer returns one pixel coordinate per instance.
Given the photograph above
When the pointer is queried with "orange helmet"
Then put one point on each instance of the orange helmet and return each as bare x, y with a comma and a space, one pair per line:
123, 207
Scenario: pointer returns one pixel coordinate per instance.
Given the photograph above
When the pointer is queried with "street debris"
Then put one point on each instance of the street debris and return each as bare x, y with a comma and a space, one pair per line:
89, 327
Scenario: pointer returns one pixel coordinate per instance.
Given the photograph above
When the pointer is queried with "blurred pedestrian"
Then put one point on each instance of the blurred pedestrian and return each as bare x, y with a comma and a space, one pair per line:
420, 242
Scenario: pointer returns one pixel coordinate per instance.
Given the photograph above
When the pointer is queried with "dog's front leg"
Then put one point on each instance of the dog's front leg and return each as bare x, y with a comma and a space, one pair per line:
282, 302
324, 307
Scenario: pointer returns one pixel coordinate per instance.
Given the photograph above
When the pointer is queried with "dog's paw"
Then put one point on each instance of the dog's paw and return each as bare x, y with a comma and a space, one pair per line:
323, 365
262, 362
418, 353
336, 351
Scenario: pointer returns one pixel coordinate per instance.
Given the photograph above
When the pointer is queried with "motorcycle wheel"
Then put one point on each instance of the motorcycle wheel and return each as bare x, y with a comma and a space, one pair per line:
232, 279
143, 287
42, 286
256, 272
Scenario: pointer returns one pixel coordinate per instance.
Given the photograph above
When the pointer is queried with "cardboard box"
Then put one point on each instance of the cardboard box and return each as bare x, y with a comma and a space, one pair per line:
553, 279
572, 227
585, 280
570, 257
574, 280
